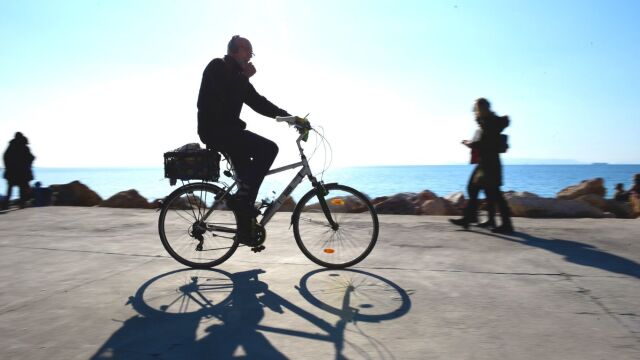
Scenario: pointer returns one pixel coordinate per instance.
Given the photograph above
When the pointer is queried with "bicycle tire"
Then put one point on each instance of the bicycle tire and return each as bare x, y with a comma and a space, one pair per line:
341, 247
182, 231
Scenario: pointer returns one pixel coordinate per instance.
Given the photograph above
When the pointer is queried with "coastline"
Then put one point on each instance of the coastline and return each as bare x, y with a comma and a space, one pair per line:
584, 200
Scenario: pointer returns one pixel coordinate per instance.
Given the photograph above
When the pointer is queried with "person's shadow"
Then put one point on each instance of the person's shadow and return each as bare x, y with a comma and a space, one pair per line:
174, 305
579, 253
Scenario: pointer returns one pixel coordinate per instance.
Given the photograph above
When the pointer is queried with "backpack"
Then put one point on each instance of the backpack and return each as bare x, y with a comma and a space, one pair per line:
503, 145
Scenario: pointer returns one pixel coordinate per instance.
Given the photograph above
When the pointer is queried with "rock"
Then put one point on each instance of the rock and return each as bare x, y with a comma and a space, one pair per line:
593, 186
621, 210
456, 199
635, 205
156, 204
593, 200
519, 194
401, 204
437, 206
349, 204
288, 205
127, 199
423, 197
186, 203
74, 194
378, 200
537, 207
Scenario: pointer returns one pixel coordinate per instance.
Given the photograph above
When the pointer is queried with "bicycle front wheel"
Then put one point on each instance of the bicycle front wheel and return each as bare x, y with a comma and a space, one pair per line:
340, 234
190, 238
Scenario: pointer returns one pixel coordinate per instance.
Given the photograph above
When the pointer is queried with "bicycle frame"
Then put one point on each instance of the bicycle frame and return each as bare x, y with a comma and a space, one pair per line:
297, 179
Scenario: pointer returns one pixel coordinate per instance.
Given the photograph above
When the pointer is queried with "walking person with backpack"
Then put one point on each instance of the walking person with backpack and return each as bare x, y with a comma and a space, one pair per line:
487, 174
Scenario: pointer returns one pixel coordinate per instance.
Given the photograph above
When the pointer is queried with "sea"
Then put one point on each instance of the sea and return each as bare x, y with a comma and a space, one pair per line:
543, 180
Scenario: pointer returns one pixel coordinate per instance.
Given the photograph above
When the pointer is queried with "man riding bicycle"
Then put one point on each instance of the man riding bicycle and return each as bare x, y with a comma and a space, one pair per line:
224, 89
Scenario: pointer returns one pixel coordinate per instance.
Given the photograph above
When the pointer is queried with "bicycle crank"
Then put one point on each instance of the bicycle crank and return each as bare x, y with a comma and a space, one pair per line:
260, 237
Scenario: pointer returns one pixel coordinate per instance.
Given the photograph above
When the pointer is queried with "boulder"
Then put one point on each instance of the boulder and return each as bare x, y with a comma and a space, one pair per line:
519, 194
635, 205
74, 193
621, 210
341, 204
288, 205
127, 199
378, 200
538, 207
156, 204
594, 200
423, 197
593, 186
437, 206
456, 199
400, 204
186, 202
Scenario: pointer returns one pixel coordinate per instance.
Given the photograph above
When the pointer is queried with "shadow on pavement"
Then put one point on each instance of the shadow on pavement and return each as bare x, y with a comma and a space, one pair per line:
213, 314
577, 253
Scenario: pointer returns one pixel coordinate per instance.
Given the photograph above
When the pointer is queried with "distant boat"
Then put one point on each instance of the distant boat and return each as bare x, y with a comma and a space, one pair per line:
600, 163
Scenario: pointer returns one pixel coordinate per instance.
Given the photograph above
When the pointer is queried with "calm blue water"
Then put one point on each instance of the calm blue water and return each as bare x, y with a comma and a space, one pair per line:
544, 180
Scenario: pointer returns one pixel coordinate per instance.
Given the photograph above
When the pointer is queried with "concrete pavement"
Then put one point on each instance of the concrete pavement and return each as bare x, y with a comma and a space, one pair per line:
96, 283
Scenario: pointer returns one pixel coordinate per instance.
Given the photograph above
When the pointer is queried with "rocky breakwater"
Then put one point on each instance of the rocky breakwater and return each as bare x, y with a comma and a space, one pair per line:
422, 203
584, 200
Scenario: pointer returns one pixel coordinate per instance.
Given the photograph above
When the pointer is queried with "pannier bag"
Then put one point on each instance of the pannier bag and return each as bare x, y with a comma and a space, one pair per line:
190, 162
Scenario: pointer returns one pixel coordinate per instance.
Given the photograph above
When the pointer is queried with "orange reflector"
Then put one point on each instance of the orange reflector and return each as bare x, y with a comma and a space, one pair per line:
329, 251
337, 202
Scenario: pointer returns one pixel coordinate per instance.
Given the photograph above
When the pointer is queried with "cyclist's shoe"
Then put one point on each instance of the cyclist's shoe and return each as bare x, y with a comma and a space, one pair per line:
241, 206
247, 233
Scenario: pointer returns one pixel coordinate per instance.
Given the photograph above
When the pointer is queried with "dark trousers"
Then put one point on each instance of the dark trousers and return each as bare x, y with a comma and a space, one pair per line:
471, 212
483, 180
252, 156
24, 192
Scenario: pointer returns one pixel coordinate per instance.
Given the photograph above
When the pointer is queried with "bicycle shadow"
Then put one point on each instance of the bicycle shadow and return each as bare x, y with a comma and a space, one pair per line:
214, 314
577, 253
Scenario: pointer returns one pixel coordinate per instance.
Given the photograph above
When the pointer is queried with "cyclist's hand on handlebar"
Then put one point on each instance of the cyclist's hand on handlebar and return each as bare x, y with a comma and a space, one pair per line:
303, 126
302, 123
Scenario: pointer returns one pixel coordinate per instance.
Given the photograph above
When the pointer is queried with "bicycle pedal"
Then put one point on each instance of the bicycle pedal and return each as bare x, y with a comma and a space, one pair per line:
257, 249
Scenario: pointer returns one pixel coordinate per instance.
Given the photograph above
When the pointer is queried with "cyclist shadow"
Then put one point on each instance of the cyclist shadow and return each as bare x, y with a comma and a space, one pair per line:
213, 314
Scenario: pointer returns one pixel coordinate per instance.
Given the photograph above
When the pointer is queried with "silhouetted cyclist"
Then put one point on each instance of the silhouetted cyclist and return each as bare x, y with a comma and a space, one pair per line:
224, 89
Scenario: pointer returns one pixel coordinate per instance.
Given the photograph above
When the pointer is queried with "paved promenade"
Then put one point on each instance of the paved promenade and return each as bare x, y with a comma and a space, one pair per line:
95, 283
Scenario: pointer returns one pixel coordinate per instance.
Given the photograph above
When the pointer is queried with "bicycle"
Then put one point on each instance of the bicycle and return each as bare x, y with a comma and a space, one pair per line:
334, 225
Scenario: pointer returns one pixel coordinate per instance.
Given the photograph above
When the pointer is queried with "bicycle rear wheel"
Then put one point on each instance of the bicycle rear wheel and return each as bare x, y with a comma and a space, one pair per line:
345, 243
187, 236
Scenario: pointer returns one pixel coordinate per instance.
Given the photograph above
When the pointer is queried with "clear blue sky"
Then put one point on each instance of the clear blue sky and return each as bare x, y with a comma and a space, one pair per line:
114, 83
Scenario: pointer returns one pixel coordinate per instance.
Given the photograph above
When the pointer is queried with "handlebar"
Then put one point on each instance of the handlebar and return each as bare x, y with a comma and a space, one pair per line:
301, 124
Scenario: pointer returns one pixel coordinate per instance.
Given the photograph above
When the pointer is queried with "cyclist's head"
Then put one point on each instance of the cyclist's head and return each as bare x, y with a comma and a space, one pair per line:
240, 49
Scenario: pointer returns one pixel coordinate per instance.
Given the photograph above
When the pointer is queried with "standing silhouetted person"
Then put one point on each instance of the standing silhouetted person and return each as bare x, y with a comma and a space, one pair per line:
488, 173
17, 168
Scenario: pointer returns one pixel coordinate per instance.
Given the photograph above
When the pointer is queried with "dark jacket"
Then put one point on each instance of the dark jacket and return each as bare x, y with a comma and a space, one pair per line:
17, 162
222, 92
488, 148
